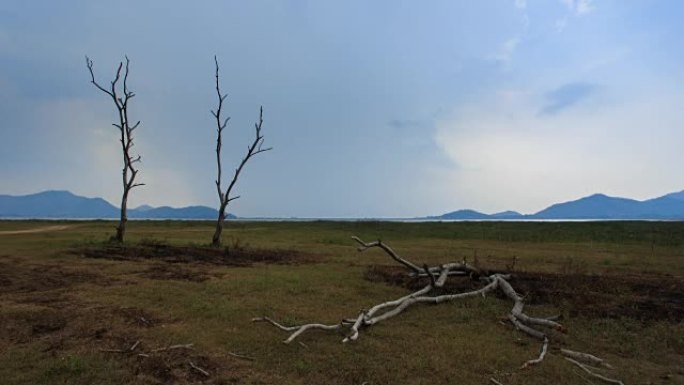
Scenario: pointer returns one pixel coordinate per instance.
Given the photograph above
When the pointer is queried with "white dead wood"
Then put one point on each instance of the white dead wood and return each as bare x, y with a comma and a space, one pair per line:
539, 359
197, 368
241, 356
438, 275
591, 359
129, 350
172, 347
594, 374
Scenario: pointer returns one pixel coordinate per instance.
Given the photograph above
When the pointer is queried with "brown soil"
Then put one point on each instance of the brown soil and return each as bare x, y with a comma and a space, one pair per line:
167, 271
43, 229
229, 256
646, 298
18, 278
40, 307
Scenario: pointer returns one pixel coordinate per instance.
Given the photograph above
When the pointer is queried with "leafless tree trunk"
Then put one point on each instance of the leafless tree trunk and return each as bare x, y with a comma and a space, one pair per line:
129, 172
253, 149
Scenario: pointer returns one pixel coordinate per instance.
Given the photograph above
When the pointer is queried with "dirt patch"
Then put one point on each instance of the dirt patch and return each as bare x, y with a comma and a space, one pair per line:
15, 278
167, 271
229, 256
174, 367
22, 326
646, 298
43, 229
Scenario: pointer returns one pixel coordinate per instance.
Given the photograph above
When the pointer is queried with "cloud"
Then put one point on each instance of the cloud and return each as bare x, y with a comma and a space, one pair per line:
506, 156
506, 51
406, 123
579, 7
522, 4
560, 25
566, 96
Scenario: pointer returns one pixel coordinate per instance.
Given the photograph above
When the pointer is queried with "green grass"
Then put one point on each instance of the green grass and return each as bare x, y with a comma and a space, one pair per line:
460, 342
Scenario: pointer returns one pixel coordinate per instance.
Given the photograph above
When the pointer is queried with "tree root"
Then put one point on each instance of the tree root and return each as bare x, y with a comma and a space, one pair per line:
438, 276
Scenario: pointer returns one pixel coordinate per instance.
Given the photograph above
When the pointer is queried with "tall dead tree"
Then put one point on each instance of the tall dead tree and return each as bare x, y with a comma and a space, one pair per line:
253, 149
129, 172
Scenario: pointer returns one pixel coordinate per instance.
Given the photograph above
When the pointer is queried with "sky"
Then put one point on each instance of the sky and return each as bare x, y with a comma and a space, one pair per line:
373, 108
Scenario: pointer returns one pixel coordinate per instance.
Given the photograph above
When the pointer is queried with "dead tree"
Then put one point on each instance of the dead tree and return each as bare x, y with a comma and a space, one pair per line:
534, 327
129, 172
253, 149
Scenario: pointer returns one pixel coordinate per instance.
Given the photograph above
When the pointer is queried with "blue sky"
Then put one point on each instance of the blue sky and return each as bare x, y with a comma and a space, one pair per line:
374, 108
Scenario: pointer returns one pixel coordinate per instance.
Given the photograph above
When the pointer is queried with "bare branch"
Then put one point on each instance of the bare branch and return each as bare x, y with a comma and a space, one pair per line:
253, 149
129, 172
197, 368
539, 359
173, 347
241, 356
586, 357
594, 374
389, 251
389, 309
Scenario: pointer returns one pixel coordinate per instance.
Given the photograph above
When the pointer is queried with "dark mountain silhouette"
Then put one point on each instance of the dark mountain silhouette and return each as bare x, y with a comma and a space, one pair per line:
597, 206
463, 214
64, 204
166, 212
507, 215
55, 204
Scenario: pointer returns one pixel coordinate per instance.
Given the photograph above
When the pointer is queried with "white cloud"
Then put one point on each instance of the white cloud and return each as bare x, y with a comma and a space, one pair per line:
522, 4
506, 51
579, 7
506, 156
560, 25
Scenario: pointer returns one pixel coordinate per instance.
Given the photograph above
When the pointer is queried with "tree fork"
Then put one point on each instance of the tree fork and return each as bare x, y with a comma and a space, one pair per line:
383, 311
253, 149
129, 172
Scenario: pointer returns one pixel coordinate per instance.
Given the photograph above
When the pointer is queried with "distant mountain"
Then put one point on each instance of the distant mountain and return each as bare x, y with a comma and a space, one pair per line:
64, 204
166, 212
142, 208
507, 215
55, 204
463, 214
597, 206
675, 195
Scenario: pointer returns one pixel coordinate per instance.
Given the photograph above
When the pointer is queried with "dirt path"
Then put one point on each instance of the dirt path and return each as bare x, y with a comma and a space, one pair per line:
36, 230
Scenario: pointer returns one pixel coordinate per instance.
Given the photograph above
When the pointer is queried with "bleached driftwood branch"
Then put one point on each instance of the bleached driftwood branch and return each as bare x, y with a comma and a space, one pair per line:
438, 276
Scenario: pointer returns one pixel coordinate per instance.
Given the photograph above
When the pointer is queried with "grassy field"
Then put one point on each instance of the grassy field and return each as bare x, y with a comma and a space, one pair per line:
618, 285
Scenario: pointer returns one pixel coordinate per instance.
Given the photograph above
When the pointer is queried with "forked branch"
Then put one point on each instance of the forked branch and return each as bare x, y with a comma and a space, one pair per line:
129, 172
438, 275
255, 148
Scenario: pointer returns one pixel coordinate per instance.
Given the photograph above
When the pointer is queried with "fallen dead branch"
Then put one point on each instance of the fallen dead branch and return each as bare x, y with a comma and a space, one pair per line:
594, 374
532, 326
197, 368
137, 343
172, 347
241, 356
129, 350
593, 360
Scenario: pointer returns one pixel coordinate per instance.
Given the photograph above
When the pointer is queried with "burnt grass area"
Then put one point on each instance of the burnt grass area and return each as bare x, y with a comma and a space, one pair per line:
39, 308
644, 298
235, 255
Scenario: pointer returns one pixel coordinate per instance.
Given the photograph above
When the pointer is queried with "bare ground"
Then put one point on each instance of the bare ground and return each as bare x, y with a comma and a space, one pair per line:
642, 297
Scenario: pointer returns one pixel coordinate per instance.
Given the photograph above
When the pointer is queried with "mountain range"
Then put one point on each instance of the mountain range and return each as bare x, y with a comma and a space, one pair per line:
597, 206
64, 204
